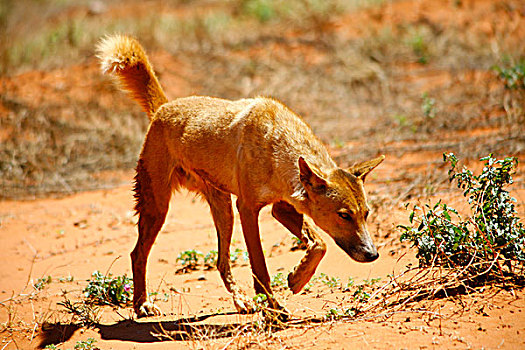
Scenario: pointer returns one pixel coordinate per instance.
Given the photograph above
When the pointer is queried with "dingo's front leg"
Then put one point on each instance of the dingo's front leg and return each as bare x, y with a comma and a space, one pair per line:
250, 227
221, 210
316, 248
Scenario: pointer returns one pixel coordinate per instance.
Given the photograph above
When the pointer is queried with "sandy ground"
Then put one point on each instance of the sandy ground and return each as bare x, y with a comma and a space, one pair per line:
76, 235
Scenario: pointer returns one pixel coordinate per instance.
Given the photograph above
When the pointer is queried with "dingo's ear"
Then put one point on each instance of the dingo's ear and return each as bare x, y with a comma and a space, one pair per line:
360, 170
309, 178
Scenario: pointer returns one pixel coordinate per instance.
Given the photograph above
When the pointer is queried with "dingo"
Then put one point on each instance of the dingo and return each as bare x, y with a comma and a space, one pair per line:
256, 149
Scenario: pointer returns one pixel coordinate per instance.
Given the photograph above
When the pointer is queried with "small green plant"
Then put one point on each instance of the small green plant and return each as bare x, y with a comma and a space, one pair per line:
419, 47
330, 281
372, 281
189, 258
261, 301
360, 294
278, 280
401, 119
490, 235
513, 77
263, 10
238, 253
88, 344
428, 106
335, 313
349, 284
66, 279
42, 282
297, 244
108, 290
210, 259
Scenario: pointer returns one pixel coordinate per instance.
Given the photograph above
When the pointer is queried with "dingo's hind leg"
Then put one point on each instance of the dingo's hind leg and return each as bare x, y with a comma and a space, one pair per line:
221, 210
316, 248
152, 193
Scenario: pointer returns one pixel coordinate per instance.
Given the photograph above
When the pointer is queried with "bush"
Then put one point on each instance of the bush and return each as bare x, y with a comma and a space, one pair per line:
489, 236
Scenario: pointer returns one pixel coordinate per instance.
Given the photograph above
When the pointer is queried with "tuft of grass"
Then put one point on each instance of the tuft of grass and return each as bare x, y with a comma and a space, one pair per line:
192, 259
83, 312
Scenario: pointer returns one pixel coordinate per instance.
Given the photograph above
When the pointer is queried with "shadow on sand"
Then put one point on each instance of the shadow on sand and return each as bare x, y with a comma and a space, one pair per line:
147, 332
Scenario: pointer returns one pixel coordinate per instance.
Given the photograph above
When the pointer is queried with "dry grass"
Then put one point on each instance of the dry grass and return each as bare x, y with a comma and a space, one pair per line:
346, 88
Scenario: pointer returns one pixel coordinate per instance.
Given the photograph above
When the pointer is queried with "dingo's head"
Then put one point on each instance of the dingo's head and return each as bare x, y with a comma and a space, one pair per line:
337, 204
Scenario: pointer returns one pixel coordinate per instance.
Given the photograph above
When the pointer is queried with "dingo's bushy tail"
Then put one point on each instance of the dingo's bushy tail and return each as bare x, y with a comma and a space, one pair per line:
124, 57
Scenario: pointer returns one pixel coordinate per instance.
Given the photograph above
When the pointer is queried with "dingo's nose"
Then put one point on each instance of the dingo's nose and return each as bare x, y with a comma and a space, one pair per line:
371, 256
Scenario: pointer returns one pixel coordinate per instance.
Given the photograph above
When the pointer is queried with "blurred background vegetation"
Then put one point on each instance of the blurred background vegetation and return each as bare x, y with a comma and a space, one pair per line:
369, 76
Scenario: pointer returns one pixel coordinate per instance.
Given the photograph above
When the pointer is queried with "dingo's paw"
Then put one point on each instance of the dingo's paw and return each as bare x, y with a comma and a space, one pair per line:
243, 304
148, 309
276, 312
298, 279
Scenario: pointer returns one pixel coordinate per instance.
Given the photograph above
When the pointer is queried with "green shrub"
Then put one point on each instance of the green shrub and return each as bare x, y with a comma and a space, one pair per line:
490, 235
108, 290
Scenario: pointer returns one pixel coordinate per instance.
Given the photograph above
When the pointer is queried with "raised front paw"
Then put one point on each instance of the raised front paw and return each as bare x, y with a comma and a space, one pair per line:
148, 309
298, 279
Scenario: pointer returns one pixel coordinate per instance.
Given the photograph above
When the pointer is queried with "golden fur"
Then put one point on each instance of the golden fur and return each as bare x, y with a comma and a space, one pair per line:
256, 149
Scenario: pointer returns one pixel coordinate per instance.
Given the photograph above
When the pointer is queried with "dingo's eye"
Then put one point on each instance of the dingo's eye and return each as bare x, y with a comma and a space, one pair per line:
345, 216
